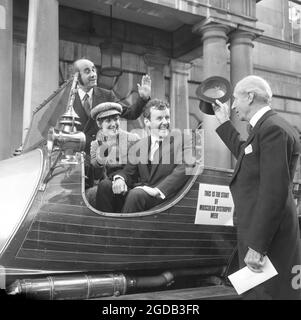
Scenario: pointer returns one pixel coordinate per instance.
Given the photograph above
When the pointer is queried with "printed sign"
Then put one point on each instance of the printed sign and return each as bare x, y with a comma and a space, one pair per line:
215, 205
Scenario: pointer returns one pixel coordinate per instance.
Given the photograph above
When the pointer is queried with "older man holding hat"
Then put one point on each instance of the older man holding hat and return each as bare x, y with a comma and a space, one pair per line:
261, 186
109, 150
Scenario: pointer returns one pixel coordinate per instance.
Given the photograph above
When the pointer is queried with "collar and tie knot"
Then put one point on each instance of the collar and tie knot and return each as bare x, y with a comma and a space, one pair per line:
154, 148
86, 104
249, 128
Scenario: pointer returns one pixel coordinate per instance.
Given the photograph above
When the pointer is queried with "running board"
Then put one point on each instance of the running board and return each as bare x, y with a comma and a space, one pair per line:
217, 292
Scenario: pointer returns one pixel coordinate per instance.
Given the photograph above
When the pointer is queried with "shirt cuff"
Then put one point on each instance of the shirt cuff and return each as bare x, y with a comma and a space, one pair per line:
161, 194
146, 99
262, 254
222, 125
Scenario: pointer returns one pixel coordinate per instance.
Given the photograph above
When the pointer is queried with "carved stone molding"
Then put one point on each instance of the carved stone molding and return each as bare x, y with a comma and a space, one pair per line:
155, 61
180, 67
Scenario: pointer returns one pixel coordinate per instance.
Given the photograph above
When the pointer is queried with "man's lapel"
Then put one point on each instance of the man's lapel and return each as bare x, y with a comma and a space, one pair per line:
90, 122
96, 97
249, 140
144, 171
78, 108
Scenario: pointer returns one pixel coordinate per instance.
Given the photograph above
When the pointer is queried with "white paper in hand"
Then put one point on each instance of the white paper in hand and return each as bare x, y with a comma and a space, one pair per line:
245, 279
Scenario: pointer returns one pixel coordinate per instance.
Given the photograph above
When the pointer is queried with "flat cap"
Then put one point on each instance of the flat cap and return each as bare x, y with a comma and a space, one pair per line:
105, 109
211, 89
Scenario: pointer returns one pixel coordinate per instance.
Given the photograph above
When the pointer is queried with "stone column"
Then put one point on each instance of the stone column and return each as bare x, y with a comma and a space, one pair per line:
155, 68
42, 58
179, 94
241, 47
215, 56
6, 43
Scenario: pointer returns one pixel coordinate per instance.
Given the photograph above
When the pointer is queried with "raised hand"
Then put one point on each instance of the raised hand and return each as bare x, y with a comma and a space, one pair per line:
145, 88
221, 110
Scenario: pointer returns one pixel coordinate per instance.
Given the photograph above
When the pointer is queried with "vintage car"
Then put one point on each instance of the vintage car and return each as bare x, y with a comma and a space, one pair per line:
55, 245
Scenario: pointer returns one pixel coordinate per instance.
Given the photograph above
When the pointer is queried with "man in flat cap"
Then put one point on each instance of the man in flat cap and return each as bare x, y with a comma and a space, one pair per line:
109, 150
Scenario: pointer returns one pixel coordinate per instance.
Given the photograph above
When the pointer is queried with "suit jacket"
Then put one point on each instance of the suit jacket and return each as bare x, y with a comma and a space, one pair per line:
261, 187
168, 169
89, 126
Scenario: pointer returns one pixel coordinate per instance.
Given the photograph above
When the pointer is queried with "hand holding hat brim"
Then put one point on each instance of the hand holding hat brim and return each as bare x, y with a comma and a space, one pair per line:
221, 110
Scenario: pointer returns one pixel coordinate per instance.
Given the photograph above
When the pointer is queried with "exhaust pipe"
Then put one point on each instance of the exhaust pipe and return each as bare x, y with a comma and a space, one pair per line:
85, 286
70, 287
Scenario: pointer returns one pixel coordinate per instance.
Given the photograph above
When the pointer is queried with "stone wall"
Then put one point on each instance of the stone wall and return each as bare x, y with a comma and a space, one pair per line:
274, 58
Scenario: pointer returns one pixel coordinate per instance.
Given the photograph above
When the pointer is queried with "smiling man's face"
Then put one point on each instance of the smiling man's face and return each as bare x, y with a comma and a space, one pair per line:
159, 122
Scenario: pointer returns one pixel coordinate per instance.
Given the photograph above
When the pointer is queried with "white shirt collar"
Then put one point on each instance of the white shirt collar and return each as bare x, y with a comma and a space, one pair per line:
82, 93
154, 147
154, 140
258, 115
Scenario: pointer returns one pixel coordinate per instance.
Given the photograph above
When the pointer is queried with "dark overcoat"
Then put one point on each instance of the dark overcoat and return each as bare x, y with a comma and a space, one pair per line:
261, 187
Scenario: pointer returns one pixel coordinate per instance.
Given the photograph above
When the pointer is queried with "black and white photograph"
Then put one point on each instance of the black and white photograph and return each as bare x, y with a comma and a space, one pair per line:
150, 154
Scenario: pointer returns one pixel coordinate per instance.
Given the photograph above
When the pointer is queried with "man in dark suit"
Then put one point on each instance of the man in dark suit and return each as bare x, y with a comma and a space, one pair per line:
89, 95
261, 187
157, 165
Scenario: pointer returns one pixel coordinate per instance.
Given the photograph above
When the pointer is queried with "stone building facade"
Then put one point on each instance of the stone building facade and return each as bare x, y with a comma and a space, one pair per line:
178, 42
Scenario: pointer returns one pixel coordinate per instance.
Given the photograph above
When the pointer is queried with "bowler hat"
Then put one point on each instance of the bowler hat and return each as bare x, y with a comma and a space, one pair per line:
211, 89
105, 109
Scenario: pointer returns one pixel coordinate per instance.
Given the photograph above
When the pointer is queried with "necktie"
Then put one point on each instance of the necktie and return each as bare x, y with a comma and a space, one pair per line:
86, 104
249, 128
154, 148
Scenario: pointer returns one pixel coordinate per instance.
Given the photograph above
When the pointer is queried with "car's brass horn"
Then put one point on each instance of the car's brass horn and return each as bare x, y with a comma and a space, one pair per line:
67, 139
